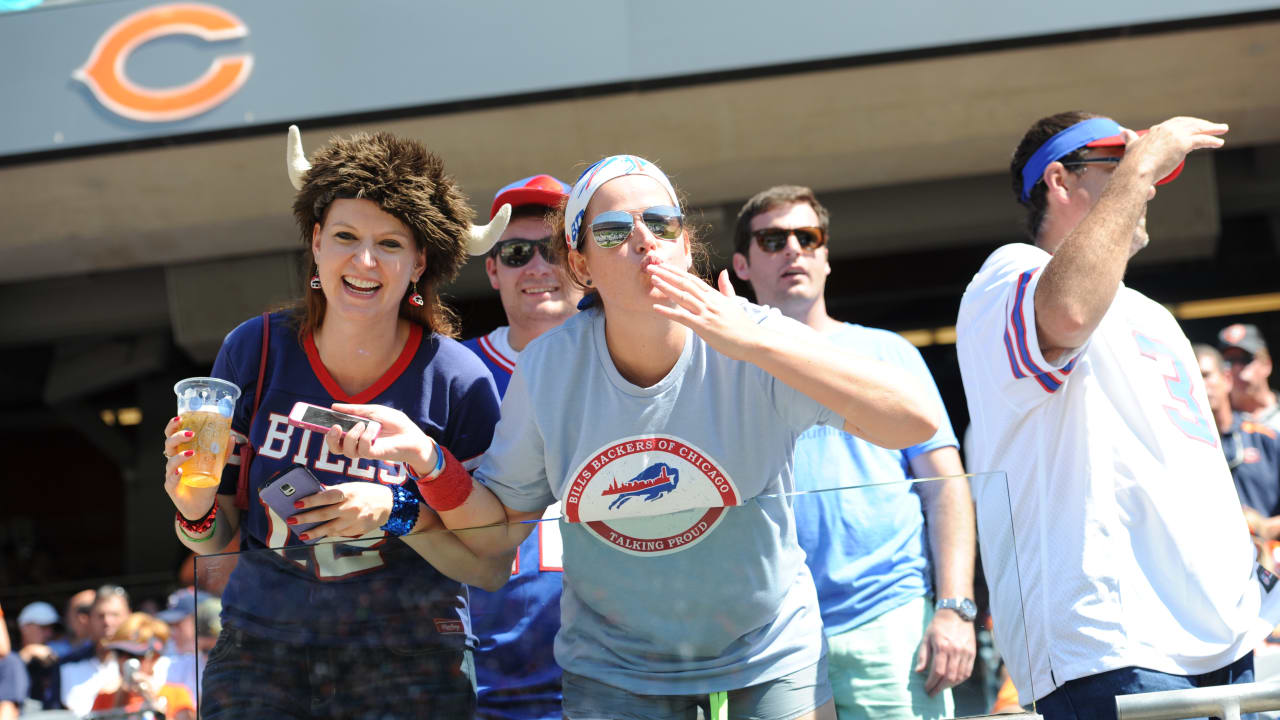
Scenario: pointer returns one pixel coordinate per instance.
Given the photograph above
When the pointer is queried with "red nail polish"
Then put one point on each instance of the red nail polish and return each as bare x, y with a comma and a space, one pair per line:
304, 536
188, 453
175, 419
291, 521
189, 434
298, 504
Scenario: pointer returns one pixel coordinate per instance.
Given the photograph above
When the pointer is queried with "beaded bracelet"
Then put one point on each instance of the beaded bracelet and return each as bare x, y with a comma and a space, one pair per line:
201, 525
206, 538
404, 511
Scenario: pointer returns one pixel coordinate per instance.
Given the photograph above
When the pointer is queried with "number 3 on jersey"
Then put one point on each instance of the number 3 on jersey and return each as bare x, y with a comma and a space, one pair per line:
1186, 413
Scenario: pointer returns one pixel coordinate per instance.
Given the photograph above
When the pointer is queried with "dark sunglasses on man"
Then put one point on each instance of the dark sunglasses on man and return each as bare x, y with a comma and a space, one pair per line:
771, 240
517, 252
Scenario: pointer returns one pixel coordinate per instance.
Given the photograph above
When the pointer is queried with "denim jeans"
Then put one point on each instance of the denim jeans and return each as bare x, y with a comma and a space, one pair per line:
1093, 697
248, 678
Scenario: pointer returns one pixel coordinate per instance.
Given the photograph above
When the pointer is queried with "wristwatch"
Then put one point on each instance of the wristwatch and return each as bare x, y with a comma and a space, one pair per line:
964, 607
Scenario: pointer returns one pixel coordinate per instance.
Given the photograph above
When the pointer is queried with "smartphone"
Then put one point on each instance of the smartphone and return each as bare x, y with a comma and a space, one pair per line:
290, 486
320, 419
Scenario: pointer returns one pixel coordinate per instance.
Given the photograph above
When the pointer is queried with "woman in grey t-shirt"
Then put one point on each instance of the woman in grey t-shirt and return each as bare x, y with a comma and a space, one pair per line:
663, 417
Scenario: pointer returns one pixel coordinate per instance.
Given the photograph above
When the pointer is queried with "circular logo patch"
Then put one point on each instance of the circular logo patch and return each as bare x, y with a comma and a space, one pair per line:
649, 495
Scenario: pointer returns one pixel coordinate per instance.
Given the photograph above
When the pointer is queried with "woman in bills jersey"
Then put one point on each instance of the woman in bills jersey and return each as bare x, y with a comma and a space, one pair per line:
365, 614
664, 417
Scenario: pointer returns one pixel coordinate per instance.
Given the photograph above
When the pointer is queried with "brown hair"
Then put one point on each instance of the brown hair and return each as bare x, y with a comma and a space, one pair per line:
1038, 135
142, 628
773, 197
406, 181
694, 230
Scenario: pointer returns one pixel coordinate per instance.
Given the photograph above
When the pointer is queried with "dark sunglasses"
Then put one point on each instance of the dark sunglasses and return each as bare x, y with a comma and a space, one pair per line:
612, 227
1094, 161
771, 240
517, 252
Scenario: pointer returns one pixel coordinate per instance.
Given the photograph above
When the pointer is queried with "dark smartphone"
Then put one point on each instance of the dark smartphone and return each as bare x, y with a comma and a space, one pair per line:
290, 486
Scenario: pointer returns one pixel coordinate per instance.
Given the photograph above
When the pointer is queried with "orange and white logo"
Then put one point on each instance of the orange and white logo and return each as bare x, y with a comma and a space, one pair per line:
104, 71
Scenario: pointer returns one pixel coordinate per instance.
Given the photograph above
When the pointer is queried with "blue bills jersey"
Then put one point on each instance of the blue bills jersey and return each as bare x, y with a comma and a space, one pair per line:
369, 591
516, 672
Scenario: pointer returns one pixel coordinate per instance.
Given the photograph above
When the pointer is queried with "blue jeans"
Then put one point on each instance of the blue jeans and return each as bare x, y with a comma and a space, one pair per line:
1093, 697
250, 678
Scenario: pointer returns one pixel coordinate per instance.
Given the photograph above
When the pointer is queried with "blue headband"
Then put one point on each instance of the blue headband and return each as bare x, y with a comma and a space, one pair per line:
1073, 138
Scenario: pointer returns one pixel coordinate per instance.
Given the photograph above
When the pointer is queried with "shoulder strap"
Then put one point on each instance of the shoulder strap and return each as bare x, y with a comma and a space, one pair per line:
246, 450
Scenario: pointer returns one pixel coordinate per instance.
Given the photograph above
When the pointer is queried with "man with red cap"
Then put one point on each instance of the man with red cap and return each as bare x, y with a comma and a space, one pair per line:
516, 674
1249, 363
1133, 571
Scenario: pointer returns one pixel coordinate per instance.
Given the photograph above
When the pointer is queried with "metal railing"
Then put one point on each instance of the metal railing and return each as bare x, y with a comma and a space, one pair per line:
1224, 701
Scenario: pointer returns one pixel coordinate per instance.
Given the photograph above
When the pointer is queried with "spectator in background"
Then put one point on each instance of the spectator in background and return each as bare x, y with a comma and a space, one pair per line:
1132, 565
37, 624
1252, 449
13, 676
893, 654
180, 615
1249, 363
44, 668
80, 681
140, 679
516, 671
76, 620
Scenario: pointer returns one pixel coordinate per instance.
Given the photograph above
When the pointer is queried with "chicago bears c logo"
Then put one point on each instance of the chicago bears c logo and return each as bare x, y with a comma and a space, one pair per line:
650, 494
104, 71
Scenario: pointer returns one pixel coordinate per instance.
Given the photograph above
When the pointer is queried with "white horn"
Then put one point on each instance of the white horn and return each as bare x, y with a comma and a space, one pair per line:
483, 237
295, 160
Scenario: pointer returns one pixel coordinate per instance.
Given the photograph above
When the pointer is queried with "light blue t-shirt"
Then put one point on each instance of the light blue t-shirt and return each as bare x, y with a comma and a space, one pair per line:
682, 574
867, 548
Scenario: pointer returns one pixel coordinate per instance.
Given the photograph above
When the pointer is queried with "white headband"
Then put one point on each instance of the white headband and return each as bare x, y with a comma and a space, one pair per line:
614, 166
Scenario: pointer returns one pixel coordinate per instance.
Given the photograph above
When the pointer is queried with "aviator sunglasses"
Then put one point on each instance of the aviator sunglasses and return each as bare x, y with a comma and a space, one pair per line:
517, 252
771, 240
612, 227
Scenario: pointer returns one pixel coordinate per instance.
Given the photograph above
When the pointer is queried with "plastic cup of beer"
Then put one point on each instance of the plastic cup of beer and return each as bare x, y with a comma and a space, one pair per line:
205, 406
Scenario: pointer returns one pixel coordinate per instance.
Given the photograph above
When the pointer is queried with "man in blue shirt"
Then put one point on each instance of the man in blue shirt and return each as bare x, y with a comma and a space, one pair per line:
516, 674
1252, 448
874, 560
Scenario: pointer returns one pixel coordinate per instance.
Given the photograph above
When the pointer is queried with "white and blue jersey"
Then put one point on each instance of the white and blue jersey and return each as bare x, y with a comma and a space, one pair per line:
370, 591
682, 570
867, 548
517, 677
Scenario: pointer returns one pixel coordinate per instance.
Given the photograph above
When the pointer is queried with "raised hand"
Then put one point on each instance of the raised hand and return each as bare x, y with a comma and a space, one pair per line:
715, 316
1165, 145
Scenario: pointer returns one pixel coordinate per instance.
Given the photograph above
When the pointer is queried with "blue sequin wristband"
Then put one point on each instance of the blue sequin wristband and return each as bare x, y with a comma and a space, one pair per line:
404, 511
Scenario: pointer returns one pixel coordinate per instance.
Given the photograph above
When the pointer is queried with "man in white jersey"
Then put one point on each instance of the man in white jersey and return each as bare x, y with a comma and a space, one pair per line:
1135, 569
874, 559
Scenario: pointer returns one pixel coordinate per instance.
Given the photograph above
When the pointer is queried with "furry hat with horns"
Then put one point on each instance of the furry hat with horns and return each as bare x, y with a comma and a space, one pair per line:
405, 180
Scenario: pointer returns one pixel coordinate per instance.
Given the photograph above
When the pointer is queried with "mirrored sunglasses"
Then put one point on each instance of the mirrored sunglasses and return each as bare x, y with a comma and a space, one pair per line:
612, 227
771, 240
517, 252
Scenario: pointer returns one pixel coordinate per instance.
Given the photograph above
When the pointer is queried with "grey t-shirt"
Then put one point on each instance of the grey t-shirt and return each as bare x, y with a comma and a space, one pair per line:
679, 577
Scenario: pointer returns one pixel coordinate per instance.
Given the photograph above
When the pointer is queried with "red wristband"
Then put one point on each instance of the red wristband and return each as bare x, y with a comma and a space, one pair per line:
449, 489
201, 526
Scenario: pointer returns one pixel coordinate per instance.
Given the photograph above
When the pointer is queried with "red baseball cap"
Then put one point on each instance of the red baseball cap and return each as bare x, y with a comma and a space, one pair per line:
1118, 141
533, 190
